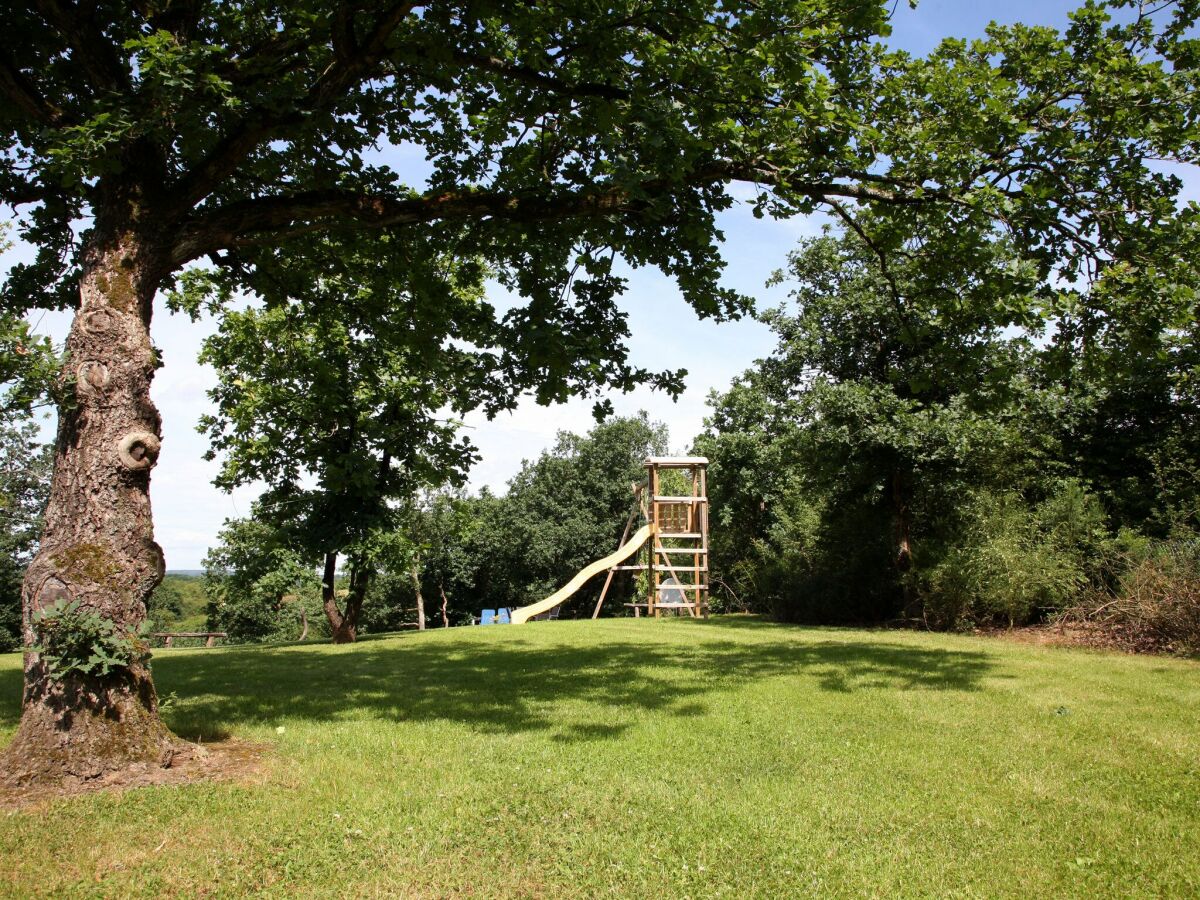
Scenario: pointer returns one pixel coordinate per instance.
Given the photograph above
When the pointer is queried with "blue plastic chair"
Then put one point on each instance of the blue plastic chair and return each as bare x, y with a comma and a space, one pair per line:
487, 617
503, 617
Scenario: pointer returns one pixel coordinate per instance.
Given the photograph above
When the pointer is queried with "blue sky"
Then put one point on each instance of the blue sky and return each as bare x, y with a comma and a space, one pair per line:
188, 510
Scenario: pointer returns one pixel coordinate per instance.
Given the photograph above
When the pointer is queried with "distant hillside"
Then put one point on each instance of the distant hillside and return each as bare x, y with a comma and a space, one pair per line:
179, 603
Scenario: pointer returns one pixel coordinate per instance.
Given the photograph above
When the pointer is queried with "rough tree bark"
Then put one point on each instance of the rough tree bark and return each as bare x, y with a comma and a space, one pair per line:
445, 603
98, 543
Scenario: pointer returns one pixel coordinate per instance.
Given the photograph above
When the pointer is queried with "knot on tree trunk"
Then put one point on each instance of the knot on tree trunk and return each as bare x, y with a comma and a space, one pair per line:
101, 322
139, 450
92, 377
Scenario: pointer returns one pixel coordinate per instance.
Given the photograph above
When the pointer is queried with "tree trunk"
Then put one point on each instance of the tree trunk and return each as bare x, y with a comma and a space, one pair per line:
415, 574
360, 580
344, 632
344, 622
97, 545
445, 603
900, 523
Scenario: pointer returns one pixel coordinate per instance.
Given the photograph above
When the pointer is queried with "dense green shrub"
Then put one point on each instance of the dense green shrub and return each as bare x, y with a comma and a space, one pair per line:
1012, 562
832, 570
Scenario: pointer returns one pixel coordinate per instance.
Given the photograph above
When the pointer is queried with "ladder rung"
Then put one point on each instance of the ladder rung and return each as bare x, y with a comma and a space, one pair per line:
684, 535
658, 499
699, 551
662, 567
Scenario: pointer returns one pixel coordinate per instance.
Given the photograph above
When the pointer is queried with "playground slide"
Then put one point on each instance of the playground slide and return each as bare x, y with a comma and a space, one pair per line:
619, 555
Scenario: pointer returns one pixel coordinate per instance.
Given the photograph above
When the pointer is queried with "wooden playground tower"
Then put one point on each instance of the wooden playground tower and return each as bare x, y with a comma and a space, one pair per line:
675, 553
671, 546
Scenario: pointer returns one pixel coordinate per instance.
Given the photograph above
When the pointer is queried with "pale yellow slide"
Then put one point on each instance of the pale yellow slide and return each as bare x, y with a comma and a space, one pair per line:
626, 550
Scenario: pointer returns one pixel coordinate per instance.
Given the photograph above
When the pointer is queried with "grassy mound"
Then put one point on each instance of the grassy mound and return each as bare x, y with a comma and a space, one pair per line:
651, 758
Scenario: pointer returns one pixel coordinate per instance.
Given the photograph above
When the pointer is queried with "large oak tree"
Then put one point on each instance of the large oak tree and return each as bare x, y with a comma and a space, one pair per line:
142, 137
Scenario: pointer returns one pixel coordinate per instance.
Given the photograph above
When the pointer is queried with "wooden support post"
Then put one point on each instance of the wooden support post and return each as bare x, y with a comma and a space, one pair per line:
652, 603
693, 525
609, 578
703, 595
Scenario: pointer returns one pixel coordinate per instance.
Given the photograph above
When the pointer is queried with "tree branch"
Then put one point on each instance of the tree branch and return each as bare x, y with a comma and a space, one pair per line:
263, 220
17, 192
541, 79
344, 71
353, 61
22, 94
96, 55
884, 269
253, 222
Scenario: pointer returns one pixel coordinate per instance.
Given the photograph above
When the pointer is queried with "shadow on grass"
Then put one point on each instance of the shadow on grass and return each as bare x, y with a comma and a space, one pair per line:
513, 685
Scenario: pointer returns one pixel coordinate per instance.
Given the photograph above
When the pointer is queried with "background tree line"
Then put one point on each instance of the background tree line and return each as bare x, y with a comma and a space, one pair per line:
948, 447
964, 446
452, 553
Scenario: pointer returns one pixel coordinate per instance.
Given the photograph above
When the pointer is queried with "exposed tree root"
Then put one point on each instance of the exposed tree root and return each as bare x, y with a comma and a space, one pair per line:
237, 761
81, 729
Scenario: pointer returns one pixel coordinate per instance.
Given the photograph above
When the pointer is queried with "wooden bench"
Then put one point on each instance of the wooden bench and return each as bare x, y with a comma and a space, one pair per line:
169, 636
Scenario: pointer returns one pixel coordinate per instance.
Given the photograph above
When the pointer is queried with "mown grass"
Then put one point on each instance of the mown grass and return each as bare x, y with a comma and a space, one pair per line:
640, 758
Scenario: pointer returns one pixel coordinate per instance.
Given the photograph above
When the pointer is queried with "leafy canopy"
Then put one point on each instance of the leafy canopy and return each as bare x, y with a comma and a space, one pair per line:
560, 136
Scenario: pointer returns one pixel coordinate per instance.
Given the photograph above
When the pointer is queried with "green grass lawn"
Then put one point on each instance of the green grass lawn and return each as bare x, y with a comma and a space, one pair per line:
652, 758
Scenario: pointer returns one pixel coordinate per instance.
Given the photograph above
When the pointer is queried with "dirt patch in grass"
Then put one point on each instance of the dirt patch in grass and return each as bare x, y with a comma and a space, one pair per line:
1074, 634
223, 761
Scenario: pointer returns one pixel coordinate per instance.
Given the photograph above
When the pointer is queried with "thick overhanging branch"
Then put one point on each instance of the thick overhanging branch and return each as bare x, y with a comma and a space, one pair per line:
265, 220
96, 55
21, 93
354, 61
538, 79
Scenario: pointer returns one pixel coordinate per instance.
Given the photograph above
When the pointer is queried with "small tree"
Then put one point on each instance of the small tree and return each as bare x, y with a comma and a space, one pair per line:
334, 393
258, 587
451, 524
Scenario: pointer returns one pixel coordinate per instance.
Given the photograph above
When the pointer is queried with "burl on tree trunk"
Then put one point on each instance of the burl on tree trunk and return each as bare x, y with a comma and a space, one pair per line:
98, 546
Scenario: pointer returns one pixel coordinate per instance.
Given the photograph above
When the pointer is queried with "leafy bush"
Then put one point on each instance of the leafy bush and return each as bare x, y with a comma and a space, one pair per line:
73, 638
1012, 564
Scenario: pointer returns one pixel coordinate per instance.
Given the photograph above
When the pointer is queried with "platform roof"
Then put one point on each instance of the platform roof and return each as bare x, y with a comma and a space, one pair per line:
676, 462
